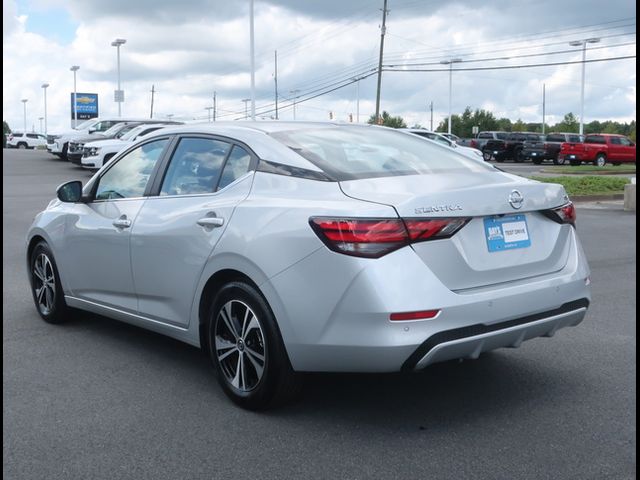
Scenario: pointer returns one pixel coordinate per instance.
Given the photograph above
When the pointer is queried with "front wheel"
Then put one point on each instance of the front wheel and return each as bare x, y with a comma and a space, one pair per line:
45, 285
22, 146
247, 350
600, 160
486, 155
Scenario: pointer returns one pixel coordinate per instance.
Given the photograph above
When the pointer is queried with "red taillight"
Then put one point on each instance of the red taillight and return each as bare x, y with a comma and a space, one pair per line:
546, 147
422, 315
563, 214
375, 237
473, 144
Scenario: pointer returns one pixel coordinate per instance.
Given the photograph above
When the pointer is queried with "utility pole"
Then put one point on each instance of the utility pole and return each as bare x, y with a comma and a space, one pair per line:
383, 30
275, 78
214, 106
543, 104
431, 109
153, 91
208, 109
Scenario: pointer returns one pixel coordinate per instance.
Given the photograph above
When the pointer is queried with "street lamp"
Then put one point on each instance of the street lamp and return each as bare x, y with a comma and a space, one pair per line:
24, 106
74, 69
118, 95
450, 63
294, 93
583, 44
44, 89
357, 80
40, 118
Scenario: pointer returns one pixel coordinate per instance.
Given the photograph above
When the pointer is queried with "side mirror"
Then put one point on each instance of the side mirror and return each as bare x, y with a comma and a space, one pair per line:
70, 192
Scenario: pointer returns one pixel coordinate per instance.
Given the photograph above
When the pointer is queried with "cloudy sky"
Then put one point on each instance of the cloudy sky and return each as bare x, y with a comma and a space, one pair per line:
190, 49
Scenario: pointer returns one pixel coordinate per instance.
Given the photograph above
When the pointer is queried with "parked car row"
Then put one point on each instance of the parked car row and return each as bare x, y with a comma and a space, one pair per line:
558, 147
25, 140
85, 145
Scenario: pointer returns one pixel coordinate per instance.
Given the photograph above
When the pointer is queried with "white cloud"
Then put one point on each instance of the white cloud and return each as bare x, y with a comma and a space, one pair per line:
189, 50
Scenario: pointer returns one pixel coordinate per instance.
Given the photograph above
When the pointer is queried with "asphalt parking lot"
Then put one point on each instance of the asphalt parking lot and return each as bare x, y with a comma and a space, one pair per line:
95, 398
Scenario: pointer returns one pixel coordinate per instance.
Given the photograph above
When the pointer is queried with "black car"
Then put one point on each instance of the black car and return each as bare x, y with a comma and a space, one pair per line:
509, 148
549, 148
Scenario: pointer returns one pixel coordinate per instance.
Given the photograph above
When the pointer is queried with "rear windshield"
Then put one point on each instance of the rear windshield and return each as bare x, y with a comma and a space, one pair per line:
349, 153
555, 138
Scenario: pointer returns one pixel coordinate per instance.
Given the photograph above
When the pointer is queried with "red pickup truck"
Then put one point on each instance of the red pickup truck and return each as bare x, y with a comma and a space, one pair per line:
600, 149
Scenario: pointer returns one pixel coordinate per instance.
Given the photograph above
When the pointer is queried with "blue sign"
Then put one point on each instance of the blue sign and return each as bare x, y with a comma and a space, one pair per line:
86, 105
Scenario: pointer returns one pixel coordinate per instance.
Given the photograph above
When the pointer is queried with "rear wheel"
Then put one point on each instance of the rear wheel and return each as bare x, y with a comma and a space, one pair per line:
600, 160
247, 350
537, 161
22, 146
517, 155
559, 161
486, 155
45, 285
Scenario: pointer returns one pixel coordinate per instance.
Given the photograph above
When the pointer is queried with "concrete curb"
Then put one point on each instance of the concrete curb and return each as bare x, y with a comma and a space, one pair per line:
596, 198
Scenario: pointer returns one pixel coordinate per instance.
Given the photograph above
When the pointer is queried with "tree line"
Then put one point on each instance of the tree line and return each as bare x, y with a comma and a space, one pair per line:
462, 125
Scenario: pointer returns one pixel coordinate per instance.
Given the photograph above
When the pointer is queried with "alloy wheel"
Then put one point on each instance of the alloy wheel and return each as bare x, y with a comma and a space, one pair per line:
44, 284
239, 345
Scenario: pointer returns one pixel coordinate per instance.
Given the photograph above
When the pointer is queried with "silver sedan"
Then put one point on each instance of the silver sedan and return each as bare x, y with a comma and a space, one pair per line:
281, 248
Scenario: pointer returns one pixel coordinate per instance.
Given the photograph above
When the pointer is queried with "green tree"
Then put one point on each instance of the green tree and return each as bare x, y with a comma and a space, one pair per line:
462, 125
388, 120
569, 124
5, 131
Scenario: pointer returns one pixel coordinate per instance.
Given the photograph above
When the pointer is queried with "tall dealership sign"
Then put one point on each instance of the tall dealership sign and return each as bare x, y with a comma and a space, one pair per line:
86, 106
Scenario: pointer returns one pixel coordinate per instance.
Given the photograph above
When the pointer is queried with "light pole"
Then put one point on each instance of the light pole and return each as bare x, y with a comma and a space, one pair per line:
295, 95
44, 89
450, 63
246, 112
119, 94
208, 109
583, 44
24, 106
357, 80
74, 69
40, 118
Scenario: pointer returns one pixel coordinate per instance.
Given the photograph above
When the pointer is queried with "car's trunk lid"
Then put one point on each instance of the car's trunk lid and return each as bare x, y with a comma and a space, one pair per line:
465, 261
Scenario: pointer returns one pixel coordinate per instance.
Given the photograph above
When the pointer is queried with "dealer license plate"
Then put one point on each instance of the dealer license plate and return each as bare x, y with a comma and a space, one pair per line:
506, 233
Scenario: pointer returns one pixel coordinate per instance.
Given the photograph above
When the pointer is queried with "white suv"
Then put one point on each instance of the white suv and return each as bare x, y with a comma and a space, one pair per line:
58, 144
26, 140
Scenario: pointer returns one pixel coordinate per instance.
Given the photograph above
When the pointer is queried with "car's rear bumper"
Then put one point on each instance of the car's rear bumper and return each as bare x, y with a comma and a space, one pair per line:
334, 314
470, 342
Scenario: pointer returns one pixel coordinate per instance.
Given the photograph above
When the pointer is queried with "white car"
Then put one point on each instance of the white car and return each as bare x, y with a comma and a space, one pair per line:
25, 140
440, 138
97, 153
59, 144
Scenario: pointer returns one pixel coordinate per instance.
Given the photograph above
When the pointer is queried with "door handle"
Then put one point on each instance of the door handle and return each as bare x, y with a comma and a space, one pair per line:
210, 222
122, 222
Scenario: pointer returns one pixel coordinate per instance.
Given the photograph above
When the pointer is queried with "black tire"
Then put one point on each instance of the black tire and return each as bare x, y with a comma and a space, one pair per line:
43, 272
600, 160
63, 155
230, 341
575, 163
559, 161
537, 161
22, 146
486, 155
517, 155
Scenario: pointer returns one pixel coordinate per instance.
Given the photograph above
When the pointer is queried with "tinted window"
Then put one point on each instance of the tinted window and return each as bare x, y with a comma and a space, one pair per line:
501, 136
347, 153
32, 135
129, 176
555, 138
625, 141
16, 135
615, 140
236, 166
194, 167
575, 138
594, 139
485, 135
